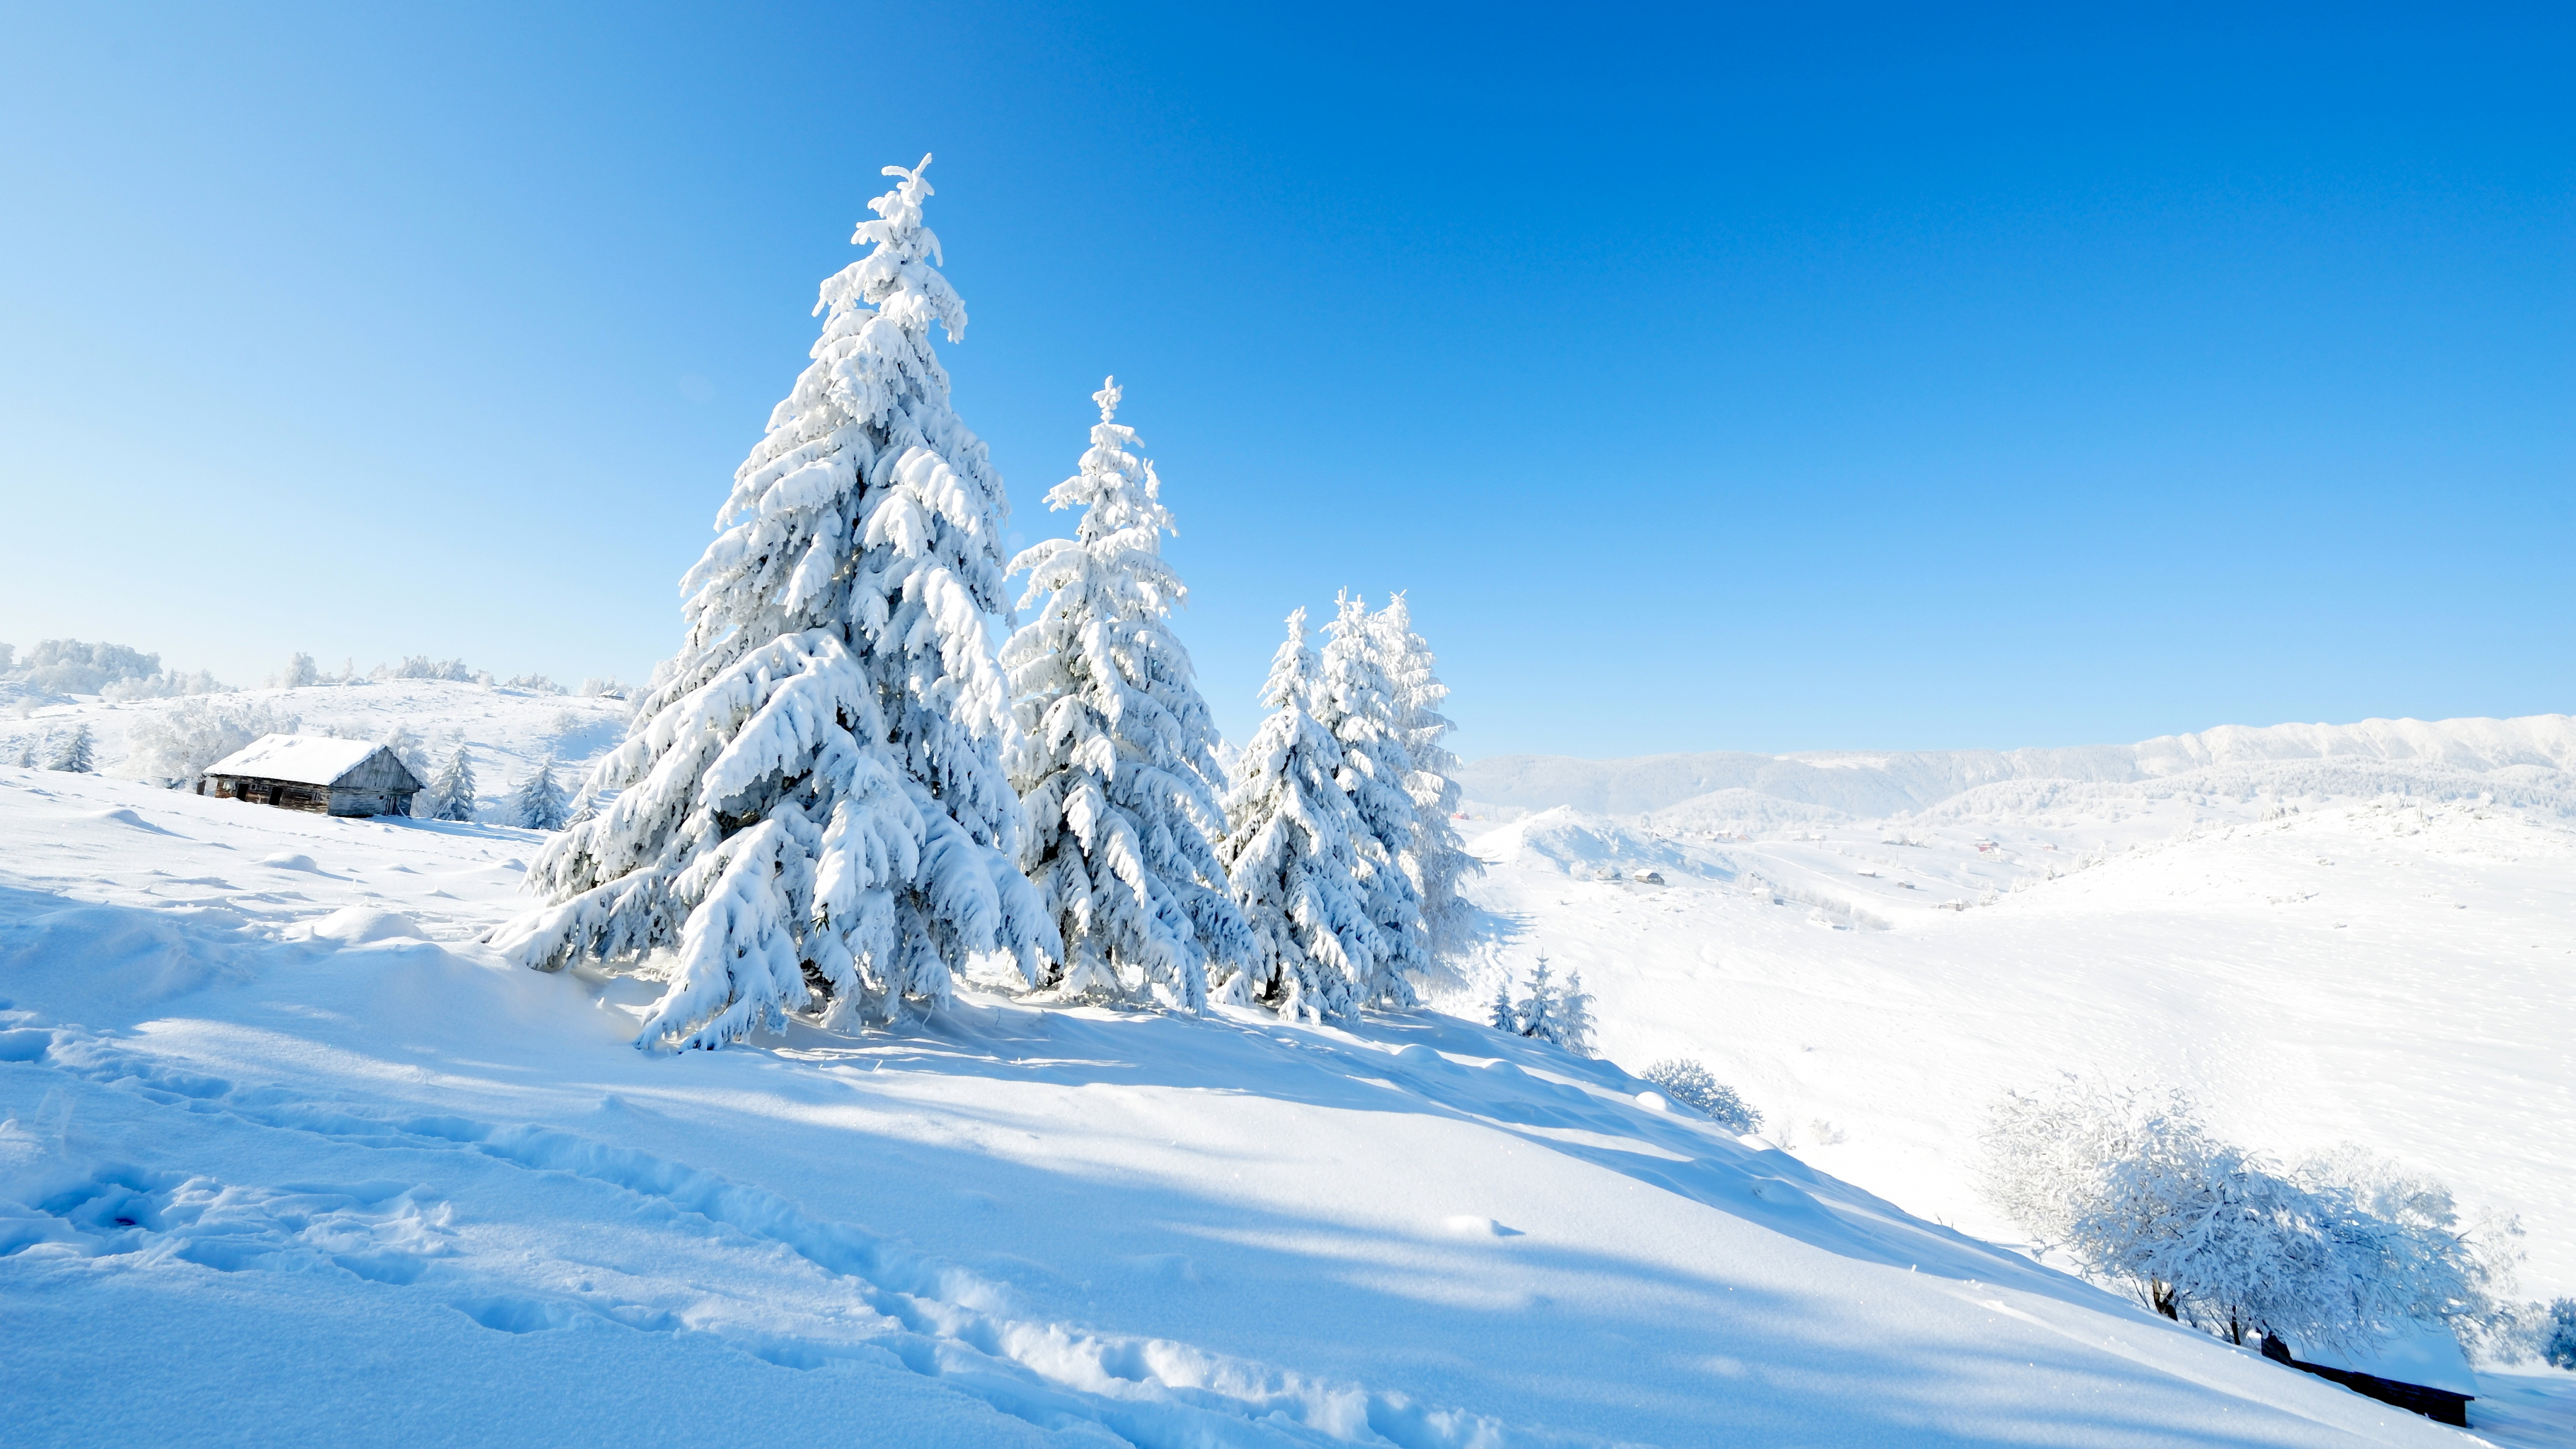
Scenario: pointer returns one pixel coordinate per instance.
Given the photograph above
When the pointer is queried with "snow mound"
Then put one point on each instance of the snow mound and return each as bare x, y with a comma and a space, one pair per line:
357, 925
1591, 847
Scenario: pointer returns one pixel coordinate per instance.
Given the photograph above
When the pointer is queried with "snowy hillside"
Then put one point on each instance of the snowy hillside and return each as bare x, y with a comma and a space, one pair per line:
508, 731
2353, 934
263, 1095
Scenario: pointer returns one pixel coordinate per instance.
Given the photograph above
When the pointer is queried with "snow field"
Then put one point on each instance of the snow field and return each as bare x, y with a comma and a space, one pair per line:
2391, 972
342, 1162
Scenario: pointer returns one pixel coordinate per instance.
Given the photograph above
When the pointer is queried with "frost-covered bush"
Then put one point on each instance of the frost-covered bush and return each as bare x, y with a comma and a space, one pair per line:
601, 687
300, 673
71, 666
2558, 1334
174, 746
2134, 1188
1689, 1083
164, 685
533, 683
421, 666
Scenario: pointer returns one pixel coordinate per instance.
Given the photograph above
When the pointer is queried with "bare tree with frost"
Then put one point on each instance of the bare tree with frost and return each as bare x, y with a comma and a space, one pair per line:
812, 810
1292, 855
1437, 860
1119, 774
1356, 701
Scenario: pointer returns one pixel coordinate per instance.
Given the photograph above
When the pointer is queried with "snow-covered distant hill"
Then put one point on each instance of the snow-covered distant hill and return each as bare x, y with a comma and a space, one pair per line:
2522, 757
271, 1119
508, 731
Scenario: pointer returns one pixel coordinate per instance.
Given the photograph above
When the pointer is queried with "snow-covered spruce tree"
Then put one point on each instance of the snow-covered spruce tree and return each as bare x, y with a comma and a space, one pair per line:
453, 789
1118, 773
539, 803
1539, 1013
812, 808
1291, 855
1356, 702
1501, 1015
1574, 1025
1437, 861
75, 753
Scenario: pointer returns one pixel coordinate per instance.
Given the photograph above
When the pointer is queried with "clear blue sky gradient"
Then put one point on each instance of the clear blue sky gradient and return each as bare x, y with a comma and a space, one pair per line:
1714, 378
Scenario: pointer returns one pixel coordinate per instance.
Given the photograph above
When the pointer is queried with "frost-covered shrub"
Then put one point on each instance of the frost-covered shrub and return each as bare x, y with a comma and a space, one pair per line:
300, 672
1689, 1083
533, 683
2556, 1333
70, 666
174, 746
164, 685
601, 687
421, 666
2133, 1187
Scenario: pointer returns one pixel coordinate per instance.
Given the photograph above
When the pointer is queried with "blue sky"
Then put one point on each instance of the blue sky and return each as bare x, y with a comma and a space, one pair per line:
1712, 378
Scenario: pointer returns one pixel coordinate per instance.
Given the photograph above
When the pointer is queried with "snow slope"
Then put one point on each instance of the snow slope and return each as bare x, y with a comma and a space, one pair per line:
2385, 970
275, 1124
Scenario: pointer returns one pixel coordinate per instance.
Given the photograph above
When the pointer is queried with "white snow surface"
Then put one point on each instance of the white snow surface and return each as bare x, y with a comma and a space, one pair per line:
270, 1120
308, 759
2358, 934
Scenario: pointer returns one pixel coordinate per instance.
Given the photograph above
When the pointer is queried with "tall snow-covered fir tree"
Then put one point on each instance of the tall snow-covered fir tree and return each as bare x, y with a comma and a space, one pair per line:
1292, 855
1437, 861
812, 808
1119, 773
1356, 702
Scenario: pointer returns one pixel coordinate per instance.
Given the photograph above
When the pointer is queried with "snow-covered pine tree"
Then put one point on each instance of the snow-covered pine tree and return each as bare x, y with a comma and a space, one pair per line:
1574, 1025
452, 790
1118, 775
1437, 861
812, 805
1539, 1014
1502, 1015
1355, 701
1291, 855
75, 753
539, 803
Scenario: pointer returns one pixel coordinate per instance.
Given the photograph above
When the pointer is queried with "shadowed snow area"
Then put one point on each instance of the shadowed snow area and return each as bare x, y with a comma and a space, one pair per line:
339, 1176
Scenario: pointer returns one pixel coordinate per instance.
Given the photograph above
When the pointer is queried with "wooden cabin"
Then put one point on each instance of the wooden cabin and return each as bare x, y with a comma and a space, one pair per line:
316, 773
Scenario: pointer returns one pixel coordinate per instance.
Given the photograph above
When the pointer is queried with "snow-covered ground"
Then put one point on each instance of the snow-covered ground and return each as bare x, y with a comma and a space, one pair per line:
287, 1158
2330, 934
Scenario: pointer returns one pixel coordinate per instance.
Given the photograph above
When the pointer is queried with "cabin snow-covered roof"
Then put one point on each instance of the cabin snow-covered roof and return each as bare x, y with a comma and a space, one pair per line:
300, 759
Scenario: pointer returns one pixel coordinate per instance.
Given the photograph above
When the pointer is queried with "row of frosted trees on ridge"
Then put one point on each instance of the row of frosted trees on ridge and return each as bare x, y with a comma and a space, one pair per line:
838, 794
